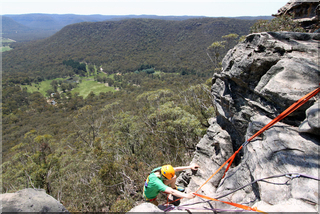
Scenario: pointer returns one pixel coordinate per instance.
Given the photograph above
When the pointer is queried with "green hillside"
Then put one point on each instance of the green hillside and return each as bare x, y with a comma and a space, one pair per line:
91, 144
11, 26
45, 25
89, 137
123, 46
41, 25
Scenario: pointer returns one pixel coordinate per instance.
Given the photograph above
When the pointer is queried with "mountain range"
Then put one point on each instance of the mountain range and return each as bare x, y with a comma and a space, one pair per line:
125, 45
26, 27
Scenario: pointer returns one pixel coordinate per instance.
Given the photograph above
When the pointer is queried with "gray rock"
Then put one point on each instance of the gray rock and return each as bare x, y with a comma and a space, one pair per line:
30, 200
265, 75
261, 77
312, 124
280, 150
146, 207
313, 115
211, 152
303, 11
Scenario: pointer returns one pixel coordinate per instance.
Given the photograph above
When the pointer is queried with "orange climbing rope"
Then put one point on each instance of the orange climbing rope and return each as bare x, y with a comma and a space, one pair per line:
284, 114
231, 203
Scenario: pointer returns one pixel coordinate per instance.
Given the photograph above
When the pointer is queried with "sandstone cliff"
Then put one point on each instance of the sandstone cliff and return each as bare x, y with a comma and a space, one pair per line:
261, 77
305, 12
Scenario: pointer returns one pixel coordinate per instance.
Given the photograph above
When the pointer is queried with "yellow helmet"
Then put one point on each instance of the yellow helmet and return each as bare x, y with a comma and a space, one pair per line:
167, 171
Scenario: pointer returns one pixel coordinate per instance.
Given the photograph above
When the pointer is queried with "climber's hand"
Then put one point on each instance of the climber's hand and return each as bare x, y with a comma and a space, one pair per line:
194, 166
191, 195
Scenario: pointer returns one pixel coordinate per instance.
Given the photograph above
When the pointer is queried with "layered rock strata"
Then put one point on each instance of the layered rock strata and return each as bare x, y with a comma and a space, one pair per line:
261, 77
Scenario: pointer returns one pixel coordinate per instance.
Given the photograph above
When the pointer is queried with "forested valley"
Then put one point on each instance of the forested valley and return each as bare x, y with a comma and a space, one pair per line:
123, 46
93, 153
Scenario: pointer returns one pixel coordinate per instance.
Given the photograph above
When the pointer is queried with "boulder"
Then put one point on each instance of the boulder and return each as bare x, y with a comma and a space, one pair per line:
145, 207
30, 200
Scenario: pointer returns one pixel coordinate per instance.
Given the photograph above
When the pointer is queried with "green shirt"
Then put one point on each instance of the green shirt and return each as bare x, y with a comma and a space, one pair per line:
154, 185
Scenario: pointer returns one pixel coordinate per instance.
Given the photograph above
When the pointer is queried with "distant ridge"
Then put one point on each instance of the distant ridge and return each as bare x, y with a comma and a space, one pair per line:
126, 45
11, 26
39, 25
253, 17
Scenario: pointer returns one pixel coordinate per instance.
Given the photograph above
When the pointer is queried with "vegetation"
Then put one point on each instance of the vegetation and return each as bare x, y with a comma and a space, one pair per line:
85, 87
6, 44
27, 27
282, 23
93, 147
122, 46
98, 150
5, 48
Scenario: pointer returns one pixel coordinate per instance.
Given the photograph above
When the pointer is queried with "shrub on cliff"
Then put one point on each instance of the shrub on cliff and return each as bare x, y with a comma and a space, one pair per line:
283, 23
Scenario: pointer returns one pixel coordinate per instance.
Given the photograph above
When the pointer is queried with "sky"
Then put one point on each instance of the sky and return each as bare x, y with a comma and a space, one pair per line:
209, 8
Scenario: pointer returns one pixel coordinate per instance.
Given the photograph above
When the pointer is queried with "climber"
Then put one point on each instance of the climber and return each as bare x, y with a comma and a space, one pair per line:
163, 179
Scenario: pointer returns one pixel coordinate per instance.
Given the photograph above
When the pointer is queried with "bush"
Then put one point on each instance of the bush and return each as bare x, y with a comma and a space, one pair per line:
283, 23
148, 71
122, 205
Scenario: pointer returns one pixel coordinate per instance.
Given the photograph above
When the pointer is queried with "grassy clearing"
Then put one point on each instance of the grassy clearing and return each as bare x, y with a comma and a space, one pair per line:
5, 45
42, 87
5, 48
103, 74
86, 85
111, 76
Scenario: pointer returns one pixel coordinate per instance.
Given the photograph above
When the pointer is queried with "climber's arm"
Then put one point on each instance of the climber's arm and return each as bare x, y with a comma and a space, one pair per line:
179, 194
192, 166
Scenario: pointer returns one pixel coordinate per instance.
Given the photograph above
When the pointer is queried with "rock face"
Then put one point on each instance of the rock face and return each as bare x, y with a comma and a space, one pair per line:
262, 77
265, 75
304, 11
312, 124
30, 201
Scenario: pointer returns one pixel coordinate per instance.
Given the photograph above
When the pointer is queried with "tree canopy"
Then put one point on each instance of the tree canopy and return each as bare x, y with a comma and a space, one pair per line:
93, 153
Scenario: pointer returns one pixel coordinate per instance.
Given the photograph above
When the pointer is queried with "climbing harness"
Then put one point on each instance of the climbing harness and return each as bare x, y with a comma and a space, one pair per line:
145, 186
284, 114
146, 182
